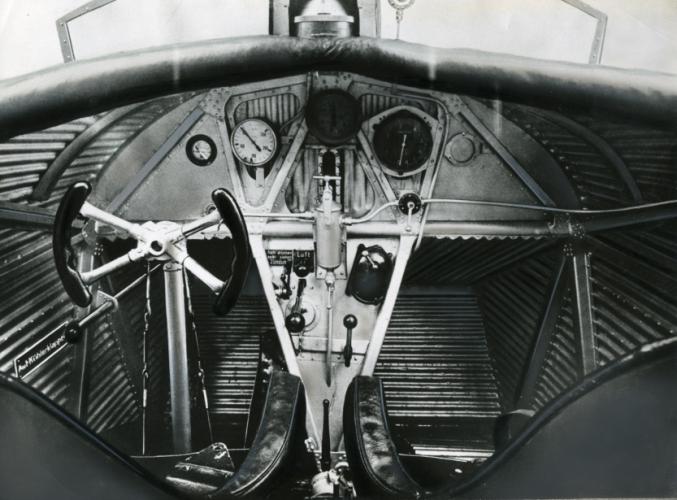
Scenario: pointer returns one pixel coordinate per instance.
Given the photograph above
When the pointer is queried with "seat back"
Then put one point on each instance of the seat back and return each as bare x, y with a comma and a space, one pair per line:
612, 435
277, 437
370, 448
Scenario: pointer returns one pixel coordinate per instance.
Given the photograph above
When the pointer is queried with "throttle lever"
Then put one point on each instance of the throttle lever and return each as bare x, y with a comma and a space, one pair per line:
234, 220
350, 322
296, 322
64, 255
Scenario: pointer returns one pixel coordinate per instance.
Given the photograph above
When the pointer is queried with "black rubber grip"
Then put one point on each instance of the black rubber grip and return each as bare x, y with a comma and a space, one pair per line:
64, 256
234, 220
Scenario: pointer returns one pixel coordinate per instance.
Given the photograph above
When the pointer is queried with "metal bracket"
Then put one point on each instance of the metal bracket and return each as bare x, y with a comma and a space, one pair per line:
65, 40
103, 298
600, 29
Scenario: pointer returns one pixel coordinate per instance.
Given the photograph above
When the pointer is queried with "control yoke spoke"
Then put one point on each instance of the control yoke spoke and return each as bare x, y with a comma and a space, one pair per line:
192, 266
133, 255
136, 231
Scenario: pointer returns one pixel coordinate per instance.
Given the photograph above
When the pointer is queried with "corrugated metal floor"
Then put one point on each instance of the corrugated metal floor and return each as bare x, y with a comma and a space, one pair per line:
441, 392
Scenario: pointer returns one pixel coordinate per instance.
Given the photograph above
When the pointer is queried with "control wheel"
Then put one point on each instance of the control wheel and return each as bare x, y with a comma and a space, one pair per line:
161, 241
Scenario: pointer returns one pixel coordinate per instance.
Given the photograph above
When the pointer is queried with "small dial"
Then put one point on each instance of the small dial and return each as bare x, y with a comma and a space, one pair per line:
201, 150
254, 142
403, 143
333, 116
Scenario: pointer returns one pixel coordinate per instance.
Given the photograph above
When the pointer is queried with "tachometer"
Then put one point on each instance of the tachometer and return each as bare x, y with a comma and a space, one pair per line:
333, 116
254, 142
403, 142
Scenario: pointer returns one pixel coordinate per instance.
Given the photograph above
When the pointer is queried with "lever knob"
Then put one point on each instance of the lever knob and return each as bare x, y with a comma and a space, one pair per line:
295, 322
350, 321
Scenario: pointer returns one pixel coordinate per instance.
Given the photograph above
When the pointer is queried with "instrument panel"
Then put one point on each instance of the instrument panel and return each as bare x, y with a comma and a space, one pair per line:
375, 144
269, 141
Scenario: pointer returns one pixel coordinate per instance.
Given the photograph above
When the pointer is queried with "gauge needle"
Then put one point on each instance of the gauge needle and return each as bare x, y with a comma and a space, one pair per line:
404, 145
258, 148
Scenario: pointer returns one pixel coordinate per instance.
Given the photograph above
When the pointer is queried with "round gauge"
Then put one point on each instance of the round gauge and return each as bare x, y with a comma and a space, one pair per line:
403, 143
333, 116
254, 142
201, 150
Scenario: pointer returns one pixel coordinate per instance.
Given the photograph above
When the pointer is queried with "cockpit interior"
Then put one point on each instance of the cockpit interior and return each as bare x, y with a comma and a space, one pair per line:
319, 263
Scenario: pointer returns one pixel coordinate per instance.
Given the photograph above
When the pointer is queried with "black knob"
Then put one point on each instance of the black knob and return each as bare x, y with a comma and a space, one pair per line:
295, 322
73, 332
350, 321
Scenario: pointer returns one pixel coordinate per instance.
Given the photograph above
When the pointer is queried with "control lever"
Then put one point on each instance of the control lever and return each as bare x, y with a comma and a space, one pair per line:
296, 322
325, 459
350, 322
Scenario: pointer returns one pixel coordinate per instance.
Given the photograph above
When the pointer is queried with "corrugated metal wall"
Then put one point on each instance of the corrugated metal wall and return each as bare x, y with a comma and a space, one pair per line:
33, 301
98, 153
512, 303
25, 158
597, 184
466, 261
562, 364
650, 155
635, 288
32, 305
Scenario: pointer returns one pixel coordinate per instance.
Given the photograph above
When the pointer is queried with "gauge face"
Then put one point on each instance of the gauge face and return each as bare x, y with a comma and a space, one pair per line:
333, 116
403, 143
254, 142
201, 150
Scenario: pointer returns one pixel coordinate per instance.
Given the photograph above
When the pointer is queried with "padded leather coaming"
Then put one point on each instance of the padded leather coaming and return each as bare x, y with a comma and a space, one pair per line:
45, 453
612, 435
83, 88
